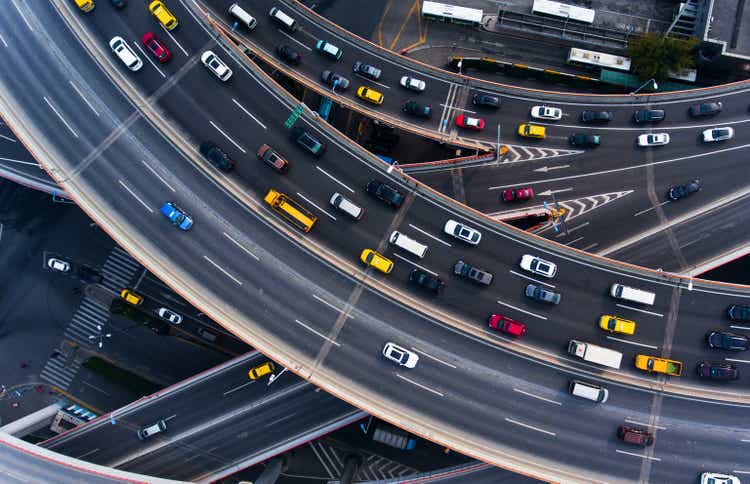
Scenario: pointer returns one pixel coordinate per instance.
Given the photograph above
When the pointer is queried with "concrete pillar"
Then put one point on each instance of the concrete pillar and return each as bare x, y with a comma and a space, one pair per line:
351, 466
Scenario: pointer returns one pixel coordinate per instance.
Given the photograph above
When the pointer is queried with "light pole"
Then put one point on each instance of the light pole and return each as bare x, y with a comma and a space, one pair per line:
656, 86
460, 64
101, 335
497, 150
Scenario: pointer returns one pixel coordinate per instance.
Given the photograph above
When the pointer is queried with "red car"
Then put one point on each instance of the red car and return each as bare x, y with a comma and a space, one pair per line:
516, 194
463, 121
506, 325
156, 47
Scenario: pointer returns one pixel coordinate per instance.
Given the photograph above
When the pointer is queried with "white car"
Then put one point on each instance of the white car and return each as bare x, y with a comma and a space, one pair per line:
716, 478
347, 206
653, 139
462, 232
413, 84
216, 65
125, 53
546, 112
538, 266
58, 265
169, 315
718, 134
400, 355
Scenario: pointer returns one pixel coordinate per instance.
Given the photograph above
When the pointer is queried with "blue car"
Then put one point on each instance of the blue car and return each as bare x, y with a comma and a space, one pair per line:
177, 216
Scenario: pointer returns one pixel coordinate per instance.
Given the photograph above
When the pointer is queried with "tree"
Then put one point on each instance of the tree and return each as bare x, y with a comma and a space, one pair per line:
654, 55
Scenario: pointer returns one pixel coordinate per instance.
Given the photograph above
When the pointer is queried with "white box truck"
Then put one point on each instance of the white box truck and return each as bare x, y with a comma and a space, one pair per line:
595, 354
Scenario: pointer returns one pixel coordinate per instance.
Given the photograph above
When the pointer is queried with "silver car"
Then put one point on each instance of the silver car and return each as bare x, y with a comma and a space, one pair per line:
169, 315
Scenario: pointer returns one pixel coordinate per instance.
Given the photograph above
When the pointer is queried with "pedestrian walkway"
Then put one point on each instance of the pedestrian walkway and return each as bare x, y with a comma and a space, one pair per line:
118, 272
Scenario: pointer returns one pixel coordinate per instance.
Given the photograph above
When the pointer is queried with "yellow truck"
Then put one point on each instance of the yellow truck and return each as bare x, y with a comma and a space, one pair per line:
290, 210
659, 365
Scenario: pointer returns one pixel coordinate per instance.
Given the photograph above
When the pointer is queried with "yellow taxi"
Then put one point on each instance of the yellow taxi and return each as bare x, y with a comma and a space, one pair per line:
85, 5
162, 14
261, 370
532, 131
131, 297
372, 258
369, 95
615, 324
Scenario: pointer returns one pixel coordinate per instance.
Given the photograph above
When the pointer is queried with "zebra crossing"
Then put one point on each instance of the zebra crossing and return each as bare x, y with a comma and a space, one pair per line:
118, 271
373, 468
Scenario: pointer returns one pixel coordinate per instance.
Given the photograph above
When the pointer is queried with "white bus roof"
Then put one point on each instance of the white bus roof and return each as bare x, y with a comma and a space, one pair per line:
563, 10
452, 11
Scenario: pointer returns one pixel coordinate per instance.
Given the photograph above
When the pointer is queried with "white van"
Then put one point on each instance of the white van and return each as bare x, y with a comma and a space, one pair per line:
589, 391
347, 206
240, 14
410, 245
632, 294
147, 432
283, 19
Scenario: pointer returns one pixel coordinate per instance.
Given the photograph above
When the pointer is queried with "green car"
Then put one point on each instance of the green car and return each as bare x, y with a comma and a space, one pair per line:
587, 140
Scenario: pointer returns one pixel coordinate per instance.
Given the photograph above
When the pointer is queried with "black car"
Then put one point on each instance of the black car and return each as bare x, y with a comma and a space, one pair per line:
596, 116
385, 192
309, 142
217, 156
463, 269
288, 54
725, 340
486, 100
416, 109
738, 313
705, 109
331, 78
426, 280
718, 371
587, 140
681, 191
648, 115
367, 70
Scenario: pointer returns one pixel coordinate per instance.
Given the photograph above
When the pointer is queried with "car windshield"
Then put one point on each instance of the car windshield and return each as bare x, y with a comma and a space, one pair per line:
464, 232
612, 323
721, 132
543, 267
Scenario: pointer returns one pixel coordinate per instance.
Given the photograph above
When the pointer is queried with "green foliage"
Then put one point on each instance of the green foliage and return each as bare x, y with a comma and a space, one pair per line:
654, 55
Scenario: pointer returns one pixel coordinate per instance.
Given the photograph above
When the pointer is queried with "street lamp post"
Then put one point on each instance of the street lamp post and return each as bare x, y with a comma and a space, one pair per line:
497, 150
101, 335
460, 64
656, 86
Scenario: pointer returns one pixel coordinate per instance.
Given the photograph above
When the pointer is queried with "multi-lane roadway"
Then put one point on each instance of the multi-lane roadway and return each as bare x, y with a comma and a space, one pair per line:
329, 320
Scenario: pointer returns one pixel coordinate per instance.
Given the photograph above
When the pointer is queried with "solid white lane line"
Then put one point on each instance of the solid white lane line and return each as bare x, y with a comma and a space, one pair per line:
236, 145
536, 396
248, 113
135, 196
636, 422
157, 175
332, 306
523, 310
25, 20
740, 472
334, 178
590, 246
531, 427
646, 128
240, 387
294, 40
531, 279
175, 41
429, 235
577, 227
744, 440
60, 116
737, 361
2, 39
740, 327
652, 313
148, 58
650, 208
8, 138
638, 455
433, 358
75, 88
420, 385
239, 283
241, 246
317, 332
415, 264
633, 343
314, 205
574, 241
20, 162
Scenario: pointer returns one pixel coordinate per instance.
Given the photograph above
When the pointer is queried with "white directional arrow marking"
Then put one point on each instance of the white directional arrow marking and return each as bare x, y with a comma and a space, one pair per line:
273, 377
545, 169
550, 192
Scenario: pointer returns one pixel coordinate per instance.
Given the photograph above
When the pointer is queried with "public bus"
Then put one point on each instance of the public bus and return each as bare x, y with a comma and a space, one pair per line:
585, 57
290, 210
563, 11
454, 14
